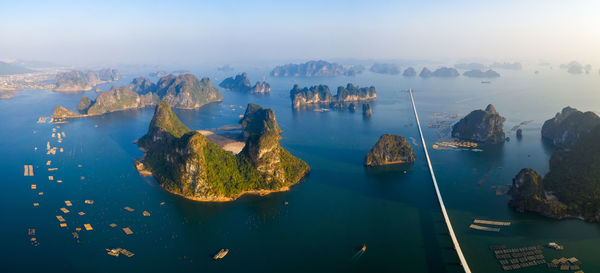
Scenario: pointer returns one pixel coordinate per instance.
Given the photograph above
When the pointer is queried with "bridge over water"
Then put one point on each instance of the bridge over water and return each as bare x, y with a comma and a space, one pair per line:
463, 261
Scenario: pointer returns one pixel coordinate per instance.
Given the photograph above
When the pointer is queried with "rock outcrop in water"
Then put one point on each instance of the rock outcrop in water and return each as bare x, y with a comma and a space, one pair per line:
390, 69
486, 126
409, 72
366, 110
390, 149
82, 81
476, 73
184, 91
425, 73
527, 194
142, 85
242, 83
445, 72
508, 66
186, 163
61, 112
313, 69
321, 95
571, 189
568, 126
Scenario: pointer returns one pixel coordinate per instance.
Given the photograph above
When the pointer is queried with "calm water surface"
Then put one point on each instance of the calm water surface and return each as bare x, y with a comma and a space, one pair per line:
329, 216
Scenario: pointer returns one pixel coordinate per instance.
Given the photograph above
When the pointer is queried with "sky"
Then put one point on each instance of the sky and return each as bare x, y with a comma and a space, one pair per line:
221, 32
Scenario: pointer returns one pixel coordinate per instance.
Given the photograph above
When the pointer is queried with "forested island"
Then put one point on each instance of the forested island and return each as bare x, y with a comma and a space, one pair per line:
82, 81
320, 95
380, 68
571, 189
484, 126
186, 163
184, 91
241, 83
315, 69
390, 149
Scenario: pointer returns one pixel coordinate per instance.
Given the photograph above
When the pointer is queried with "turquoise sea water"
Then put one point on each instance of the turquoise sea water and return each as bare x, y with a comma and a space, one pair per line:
329, 216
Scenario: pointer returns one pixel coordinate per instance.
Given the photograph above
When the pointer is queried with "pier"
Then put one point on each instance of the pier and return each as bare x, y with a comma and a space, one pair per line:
461, 257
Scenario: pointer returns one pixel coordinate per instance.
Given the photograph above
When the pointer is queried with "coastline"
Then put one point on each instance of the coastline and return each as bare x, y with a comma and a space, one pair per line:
139, 166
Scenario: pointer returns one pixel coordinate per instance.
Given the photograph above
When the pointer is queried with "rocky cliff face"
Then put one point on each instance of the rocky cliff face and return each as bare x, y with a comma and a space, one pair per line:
568, 126
186, 91
390, 149
486, 126
242, 83
445, 72
186, 163
109, 75
321, 95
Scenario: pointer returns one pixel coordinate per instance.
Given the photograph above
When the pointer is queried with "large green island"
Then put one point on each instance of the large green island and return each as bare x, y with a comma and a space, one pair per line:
184, 91
186, 163
571, 189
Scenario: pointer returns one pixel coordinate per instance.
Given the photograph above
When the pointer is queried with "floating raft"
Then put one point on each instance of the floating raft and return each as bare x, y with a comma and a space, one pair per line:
88, 227
146, 213
33, 186
127, 231
89, 202
477, 227
28, 170
60, 218
64, 210
48, 163
68, 203
50, 177
493, 223
128, 209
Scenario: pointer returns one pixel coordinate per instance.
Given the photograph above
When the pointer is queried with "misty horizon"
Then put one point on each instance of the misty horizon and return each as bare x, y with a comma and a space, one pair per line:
267, 33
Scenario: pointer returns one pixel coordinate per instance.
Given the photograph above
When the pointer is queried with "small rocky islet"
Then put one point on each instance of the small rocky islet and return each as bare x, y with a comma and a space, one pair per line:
483, 126
241, 83
184, 91
389, 149
571, 188
186, 163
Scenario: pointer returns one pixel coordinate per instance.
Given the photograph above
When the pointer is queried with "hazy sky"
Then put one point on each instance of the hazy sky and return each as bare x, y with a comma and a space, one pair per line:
147, 32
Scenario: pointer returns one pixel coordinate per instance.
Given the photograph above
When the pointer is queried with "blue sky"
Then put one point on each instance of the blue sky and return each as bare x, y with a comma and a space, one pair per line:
82, 32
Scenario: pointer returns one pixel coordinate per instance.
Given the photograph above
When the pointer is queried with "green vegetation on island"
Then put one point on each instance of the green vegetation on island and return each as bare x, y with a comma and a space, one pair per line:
187, 163
242, 83
184, 91
390, 149
82, 81
566, 127
571, 189
315, 69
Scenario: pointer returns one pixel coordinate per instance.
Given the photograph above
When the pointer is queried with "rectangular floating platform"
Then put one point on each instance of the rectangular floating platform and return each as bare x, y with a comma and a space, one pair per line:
88, 227
33, 186
146, 213
68, 203
477, 227
48, 163
63, 224
64, 210
28, 170
50, 177
127, 231
493, 223
128, 209
60, 218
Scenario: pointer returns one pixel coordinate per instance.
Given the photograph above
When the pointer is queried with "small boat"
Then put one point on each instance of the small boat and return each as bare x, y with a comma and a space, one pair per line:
221, 254
363, 248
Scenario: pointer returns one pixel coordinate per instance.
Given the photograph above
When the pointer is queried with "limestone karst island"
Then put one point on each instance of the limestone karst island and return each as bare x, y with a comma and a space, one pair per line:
300, 136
